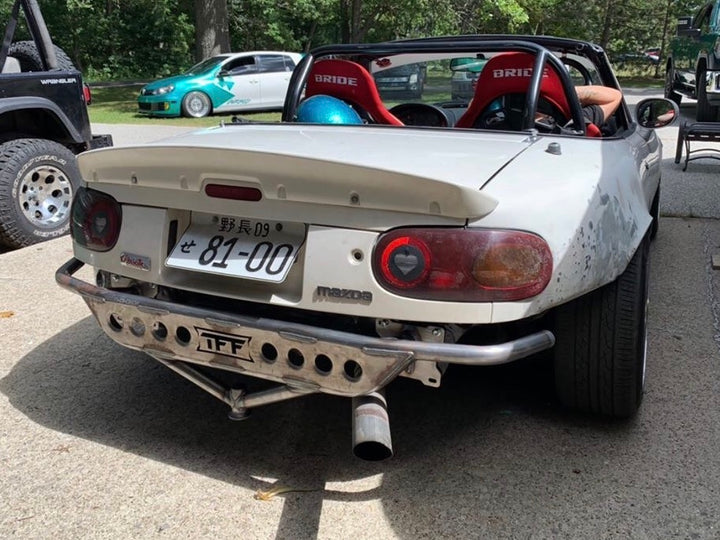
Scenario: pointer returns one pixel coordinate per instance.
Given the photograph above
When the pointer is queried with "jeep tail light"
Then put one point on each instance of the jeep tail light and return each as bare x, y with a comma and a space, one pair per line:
95, 220
462, 265
87, 94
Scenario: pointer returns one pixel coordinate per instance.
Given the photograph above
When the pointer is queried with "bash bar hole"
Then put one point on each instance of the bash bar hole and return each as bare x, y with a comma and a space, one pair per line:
295, 358
137, 327
159, 331
323, 364
353, 370
182, 335
115, 322
269, 353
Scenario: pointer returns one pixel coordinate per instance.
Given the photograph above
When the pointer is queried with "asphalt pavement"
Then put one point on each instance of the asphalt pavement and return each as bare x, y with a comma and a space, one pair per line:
100, 442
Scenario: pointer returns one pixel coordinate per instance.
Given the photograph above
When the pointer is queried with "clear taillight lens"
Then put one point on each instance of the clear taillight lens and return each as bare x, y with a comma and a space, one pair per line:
462, 265
96, 220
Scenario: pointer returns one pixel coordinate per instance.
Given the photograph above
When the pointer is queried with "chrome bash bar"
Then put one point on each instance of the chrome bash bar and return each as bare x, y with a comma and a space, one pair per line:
306, 359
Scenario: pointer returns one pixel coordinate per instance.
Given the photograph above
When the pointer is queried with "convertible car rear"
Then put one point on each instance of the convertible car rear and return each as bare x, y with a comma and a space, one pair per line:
336, 253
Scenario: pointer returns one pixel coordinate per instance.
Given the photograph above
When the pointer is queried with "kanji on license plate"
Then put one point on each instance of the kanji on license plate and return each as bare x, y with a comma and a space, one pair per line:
263, 250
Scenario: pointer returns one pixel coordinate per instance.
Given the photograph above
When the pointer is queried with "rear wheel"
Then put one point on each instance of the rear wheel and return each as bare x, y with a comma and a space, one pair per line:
37, 181
705, 111
196, 105
601, 344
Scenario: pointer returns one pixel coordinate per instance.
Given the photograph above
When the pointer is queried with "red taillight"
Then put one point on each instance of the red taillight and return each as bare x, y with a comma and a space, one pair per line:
96, 220
405, 262
463, 265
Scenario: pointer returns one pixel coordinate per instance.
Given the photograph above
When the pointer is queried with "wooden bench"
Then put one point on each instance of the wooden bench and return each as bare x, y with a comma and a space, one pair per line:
697, 131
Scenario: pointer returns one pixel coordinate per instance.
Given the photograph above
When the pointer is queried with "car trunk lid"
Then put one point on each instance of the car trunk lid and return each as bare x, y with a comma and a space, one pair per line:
426, 172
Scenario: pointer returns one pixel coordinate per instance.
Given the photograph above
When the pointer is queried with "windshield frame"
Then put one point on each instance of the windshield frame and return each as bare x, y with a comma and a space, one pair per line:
206, 65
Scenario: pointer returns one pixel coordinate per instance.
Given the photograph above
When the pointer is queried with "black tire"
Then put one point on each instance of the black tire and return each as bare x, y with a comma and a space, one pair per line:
38, 179
704, 112
655, 214
27, 54
196, 105
670, 92
601, 343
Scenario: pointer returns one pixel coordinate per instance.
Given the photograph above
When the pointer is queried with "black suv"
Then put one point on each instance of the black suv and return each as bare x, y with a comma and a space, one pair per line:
693, 63
44, 123
402, 81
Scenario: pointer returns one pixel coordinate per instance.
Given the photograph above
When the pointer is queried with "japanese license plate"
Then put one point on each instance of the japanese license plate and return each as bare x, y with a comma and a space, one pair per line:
262, 250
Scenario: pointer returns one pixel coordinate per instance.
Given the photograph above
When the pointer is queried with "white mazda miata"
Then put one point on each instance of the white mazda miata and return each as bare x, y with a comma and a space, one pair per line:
362, 239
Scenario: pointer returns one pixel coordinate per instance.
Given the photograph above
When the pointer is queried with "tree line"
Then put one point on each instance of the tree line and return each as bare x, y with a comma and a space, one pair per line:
130, 39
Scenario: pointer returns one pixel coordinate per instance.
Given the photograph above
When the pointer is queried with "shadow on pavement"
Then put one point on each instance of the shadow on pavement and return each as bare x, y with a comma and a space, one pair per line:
449, 442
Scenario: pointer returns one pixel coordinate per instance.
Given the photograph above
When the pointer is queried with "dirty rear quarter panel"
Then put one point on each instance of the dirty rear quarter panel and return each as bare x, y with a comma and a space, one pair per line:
588, 203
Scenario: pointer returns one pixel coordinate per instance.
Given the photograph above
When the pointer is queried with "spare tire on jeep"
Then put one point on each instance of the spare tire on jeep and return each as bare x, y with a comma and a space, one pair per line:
27, 54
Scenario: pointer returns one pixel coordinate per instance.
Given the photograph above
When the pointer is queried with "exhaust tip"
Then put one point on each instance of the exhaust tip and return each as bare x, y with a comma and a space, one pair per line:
372, 451
371, 428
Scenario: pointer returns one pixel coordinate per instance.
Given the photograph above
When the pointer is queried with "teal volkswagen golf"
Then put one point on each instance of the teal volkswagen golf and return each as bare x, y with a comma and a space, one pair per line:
226, 83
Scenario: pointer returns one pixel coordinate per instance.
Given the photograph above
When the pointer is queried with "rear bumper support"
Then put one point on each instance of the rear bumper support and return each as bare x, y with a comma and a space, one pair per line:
304, 358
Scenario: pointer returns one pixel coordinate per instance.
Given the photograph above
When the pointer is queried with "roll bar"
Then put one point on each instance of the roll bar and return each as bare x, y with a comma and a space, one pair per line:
474, 44
38, 31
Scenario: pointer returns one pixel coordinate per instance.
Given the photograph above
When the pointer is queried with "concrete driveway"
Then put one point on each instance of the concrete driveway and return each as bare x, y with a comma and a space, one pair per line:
100, 442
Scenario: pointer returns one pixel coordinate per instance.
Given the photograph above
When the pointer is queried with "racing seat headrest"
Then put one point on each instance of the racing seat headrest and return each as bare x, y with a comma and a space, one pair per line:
352, 83
509, 74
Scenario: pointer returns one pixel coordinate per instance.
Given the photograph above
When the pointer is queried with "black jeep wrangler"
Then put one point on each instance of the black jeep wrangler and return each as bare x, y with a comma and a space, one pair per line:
44, 123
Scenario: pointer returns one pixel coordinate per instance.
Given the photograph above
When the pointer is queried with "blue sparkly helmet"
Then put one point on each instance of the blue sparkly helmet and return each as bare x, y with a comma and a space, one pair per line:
321, 109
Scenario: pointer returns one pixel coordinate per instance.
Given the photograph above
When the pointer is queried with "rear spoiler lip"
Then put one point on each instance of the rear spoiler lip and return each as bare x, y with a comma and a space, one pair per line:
284, 177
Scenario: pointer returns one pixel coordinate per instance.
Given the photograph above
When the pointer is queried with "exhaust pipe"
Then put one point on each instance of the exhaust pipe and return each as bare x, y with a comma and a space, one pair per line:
371, 427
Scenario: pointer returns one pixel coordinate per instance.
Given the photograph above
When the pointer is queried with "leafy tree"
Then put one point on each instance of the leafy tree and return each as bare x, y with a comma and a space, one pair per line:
118, 39
286, 24
540, 15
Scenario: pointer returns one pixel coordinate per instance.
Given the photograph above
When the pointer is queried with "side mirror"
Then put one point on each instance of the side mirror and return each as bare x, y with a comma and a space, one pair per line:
656, 112
223, 73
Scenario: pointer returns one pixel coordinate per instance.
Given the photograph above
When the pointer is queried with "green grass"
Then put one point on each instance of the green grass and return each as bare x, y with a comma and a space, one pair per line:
634, 81
642, 76
118, 105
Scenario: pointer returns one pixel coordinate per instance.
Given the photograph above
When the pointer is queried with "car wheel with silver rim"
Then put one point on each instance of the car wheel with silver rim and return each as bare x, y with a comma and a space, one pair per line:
37, 181
196, 105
